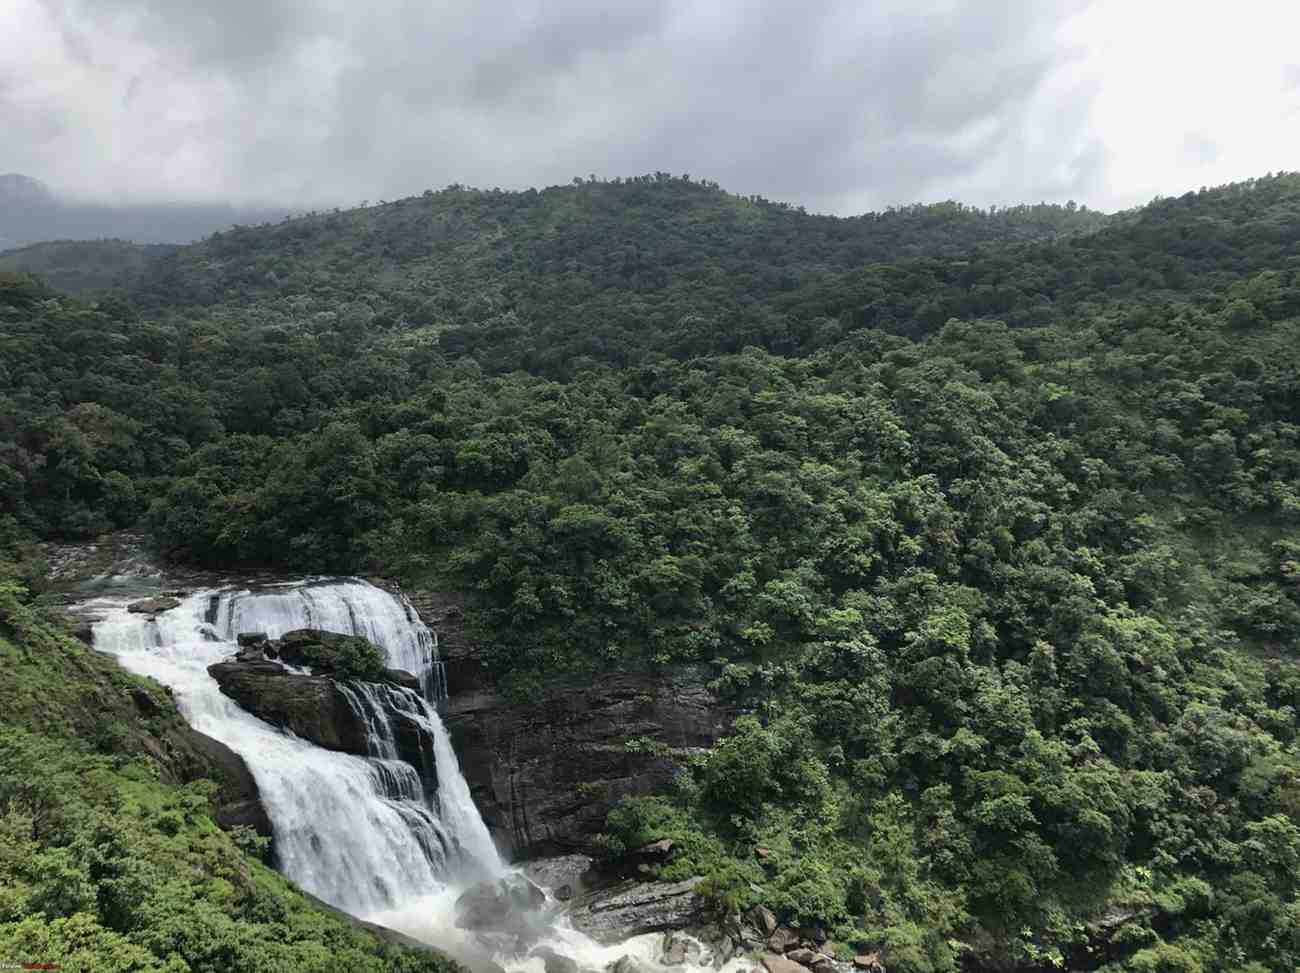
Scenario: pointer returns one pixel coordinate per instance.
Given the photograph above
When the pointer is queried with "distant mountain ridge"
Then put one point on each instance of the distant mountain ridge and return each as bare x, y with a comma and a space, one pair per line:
31, 212
85, 267
19, 190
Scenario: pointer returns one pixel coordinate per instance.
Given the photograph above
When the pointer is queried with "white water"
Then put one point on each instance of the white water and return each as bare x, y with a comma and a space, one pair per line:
430, 919
350, 607
356, 832
362, 833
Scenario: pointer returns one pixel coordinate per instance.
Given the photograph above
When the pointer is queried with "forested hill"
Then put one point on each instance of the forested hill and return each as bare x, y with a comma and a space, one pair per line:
654, 260
84, 267
990, 519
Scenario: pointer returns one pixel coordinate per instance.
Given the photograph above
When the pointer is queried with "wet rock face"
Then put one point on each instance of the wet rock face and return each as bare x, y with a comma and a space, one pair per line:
334, 715
462, 661
545, 773
311, 706
153, 606
564, 876
238, 801
400, 677
633, 908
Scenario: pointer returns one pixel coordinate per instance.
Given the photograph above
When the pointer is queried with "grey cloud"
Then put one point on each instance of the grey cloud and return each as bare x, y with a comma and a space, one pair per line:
229, 36
839, 106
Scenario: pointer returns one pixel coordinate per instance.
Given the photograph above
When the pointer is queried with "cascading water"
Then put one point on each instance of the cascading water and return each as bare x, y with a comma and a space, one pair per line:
374, 836
350, 607
362, 834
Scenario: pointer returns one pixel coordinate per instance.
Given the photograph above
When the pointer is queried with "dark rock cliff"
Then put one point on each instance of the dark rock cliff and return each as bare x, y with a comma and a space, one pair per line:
546, 772
445, 614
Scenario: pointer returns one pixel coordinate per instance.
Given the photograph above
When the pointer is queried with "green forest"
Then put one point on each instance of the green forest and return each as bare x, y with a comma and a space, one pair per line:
989, 520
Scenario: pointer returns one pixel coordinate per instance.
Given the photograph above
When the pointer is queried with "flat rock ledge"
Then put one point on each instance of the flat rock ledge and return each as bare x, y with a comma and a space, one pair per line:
633, 908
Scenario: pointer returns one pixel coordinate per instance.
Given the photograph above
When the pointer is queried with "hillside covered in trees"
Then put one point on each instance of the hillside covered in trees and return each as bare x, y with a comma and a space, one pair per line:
990, 519
83, 267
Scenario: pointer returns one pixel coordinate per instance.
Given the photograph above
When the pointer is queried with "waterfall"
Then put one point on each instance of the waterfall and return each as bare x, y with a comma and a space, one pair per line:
363, 833
376, 704
350, 607
392, 837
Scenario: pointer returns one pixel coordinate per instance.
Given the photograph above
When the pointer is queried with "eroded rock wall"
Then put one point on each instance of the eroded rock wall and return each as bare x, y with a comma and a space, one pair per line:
544, 773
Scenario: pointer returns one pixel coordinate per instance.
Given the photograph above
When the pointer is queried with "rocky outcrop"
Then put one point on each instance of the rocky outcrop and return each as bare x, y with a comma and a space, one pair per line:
632, 908
564, 876
780, 964
504, 903
444, 613
313, 707
324, 653
553, 962
544, 773
365, 719
153, 606
237, 801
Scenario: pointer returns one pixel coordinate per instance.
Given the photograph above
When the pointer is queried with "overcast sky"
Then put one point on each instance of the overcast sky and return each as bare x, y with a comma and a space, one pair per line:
839, 106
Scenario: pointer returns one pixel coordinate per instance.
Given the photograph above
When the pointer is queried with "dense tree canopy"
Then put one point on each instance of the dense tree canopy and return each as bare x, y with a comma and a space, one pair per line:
989, 520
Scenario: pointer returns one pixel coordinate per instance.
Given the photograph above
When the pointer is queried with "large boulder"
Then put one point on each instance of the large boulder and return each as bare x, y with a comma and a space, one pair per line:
153, 606
313, 707
508, 915
497, 903
564, 876
779, 964
631, 908
678, 949
343, 716
343, 656
763, 919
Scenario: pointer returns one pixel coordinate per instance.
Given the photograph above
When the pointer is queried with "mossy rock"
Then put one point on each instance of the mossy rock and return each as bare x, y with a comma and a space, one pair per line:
341, 656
